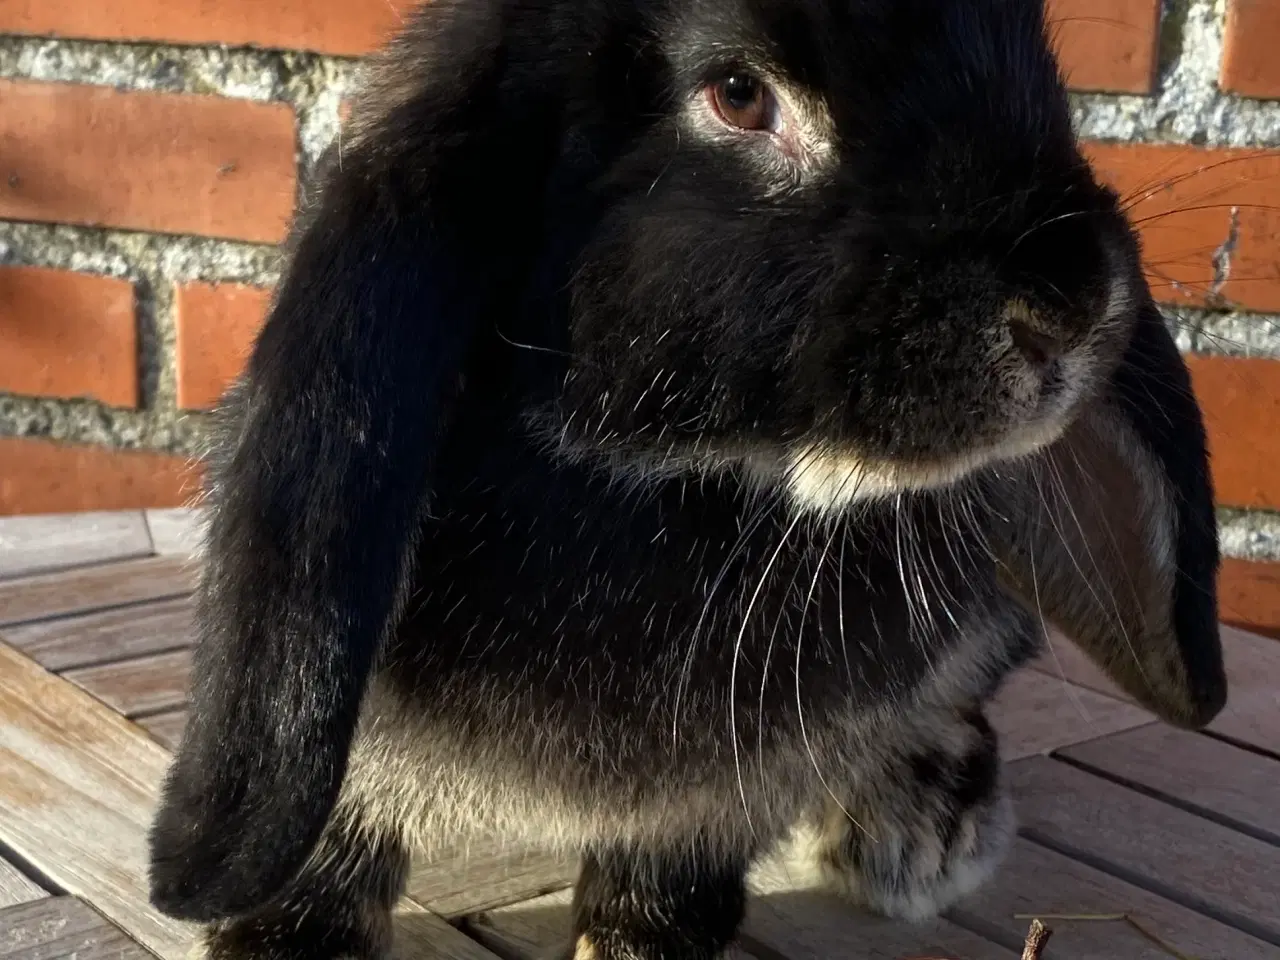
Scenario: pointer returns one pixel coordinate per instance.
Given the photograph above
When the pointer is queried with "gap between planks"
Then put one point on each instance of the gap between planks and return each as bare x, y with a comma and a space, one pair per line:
88, 589
1198, 863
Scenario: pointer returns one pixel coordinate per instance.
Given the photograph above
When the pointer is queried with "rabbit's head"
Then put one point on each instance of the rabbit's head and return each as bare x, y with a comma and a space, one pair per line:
851, 247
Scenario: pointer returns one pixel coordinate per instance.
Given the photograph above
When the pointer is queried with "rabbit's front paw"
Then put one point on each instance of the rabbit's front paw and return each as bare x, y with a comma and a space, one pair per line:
934, 829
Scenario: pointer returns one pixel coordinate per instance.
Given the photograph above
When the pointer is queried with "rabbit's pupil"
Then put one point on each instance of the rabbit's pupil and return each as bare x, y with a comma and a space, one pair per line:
741, 91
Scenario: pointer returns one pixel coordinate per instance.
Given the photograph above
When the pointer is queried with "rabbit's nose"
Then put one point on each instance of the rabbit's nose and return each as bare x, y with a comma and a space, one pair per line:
1039, 349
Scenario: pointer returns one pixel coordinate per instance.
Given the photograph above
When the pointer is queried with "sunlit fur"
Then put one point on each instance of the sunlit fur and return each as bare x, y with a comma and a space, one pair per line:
661, 493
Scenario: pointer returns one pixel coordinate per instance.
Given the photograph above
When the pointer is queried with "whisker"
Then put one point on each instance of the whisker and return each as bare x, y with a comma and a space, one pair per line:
733, 673
752, 524
804, 735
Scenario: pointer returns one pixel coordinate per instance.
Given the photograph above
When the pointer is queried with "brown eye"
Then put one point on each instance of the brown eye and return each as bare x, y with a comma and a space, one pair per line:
742, 101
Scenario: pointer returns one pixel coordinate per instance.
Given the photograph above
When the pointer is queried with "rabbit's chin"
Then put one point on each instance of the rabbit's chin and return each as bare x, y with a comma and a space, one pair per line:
825, 480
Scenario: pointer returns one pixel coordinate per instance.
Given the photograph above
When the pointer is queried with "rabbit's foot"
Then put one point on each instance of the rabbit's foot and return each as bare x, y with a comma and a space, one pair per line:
932, 828
638, 905
288, 935
337, 908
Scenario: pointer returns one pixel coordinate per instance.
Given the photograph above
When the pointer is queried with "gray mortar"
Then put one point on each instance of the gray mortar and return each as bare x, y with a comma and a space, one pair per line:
1250, 534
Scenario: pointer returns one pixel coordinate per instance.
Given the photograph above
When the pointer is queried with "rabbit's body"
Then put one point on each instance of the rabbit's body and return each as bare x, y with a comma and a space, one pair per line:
676, 420
600, 661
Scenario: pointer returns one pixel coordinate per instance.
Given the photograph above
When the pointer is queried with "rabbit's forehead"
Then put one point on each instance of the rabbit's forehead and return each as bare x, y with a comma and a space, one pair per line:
917, 54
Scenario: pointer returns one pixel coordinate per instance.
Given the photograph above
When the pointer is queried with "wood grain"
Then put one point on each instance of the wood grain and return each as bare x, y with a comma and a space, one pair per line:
165, 728
132, 687
94, 588
15, 888
79, 786
37, 544
62, 927
486, 875
804, 923
1195, 770
1252, 713
1037, 881
1037, 714
1230, 873
83, 641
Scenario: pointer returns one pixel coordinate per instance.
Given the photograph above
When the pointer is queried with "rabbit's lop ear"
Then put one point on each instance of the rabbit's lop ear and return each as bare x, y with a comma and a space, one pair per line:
1111, 534
324, 464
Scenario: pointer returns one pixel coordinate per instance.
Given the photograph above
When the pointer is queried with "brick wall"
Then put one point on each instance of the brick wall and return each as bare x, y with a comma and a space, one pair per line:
150, 157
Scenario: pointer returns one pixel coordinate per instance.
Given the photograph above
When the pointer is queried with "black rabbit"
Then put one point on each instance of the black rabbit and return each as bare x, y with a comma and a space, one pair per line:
676, 419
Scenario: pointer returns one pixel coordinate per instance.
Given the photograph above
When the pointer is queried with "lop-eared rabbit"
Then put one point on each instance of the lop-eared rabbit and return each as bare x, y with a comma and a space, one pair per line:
675, 420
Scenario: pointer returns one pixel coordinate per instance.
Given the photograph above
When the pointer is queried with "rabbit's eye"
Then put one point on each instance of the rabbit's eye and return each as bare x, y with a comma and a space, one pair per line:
742, 101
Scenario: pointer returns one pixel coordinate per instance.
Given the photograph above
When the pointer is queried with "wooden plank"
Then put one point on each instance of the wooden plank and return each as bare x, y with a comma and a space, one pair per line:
94, 588
94, 638
62, 927
789, 915
532, 930
37, 544
146, 685
1252, 714
176, 532
1038, 881
1035, 714
15, 888
485, 875
165, 728
78, 784
1189, 859
1223, 780
420, 935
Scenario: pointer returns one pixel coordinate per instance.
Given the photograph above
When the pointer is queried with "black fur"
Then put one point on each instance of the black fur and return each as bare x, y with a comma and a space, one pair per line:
339, 907
509, 475
646, 905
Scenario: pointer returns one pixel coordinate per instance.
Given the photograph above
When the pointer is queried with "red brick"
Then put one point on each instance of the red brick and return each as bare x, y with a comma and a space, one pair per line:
1249, 596
44, 476
217, 326
1241, 401
1182, 200
1107, 45
162, 162
68, 335
342, 27
1249, 62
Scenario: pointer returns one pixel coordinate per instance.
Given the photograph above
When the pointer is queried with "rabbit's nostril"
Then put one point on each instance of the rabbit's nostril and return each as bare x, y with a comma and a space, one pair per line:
1039, 349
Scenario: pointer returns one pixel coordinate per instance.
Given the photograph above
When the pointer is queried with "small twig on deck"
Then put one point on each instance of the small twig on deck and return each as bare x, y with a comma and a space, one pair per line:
1128, 918
1037, 939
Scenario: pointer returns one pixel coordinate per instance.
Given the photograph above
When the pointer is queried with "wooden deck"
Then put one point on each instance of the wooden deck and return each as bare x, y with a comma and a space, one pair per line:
1139, 842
